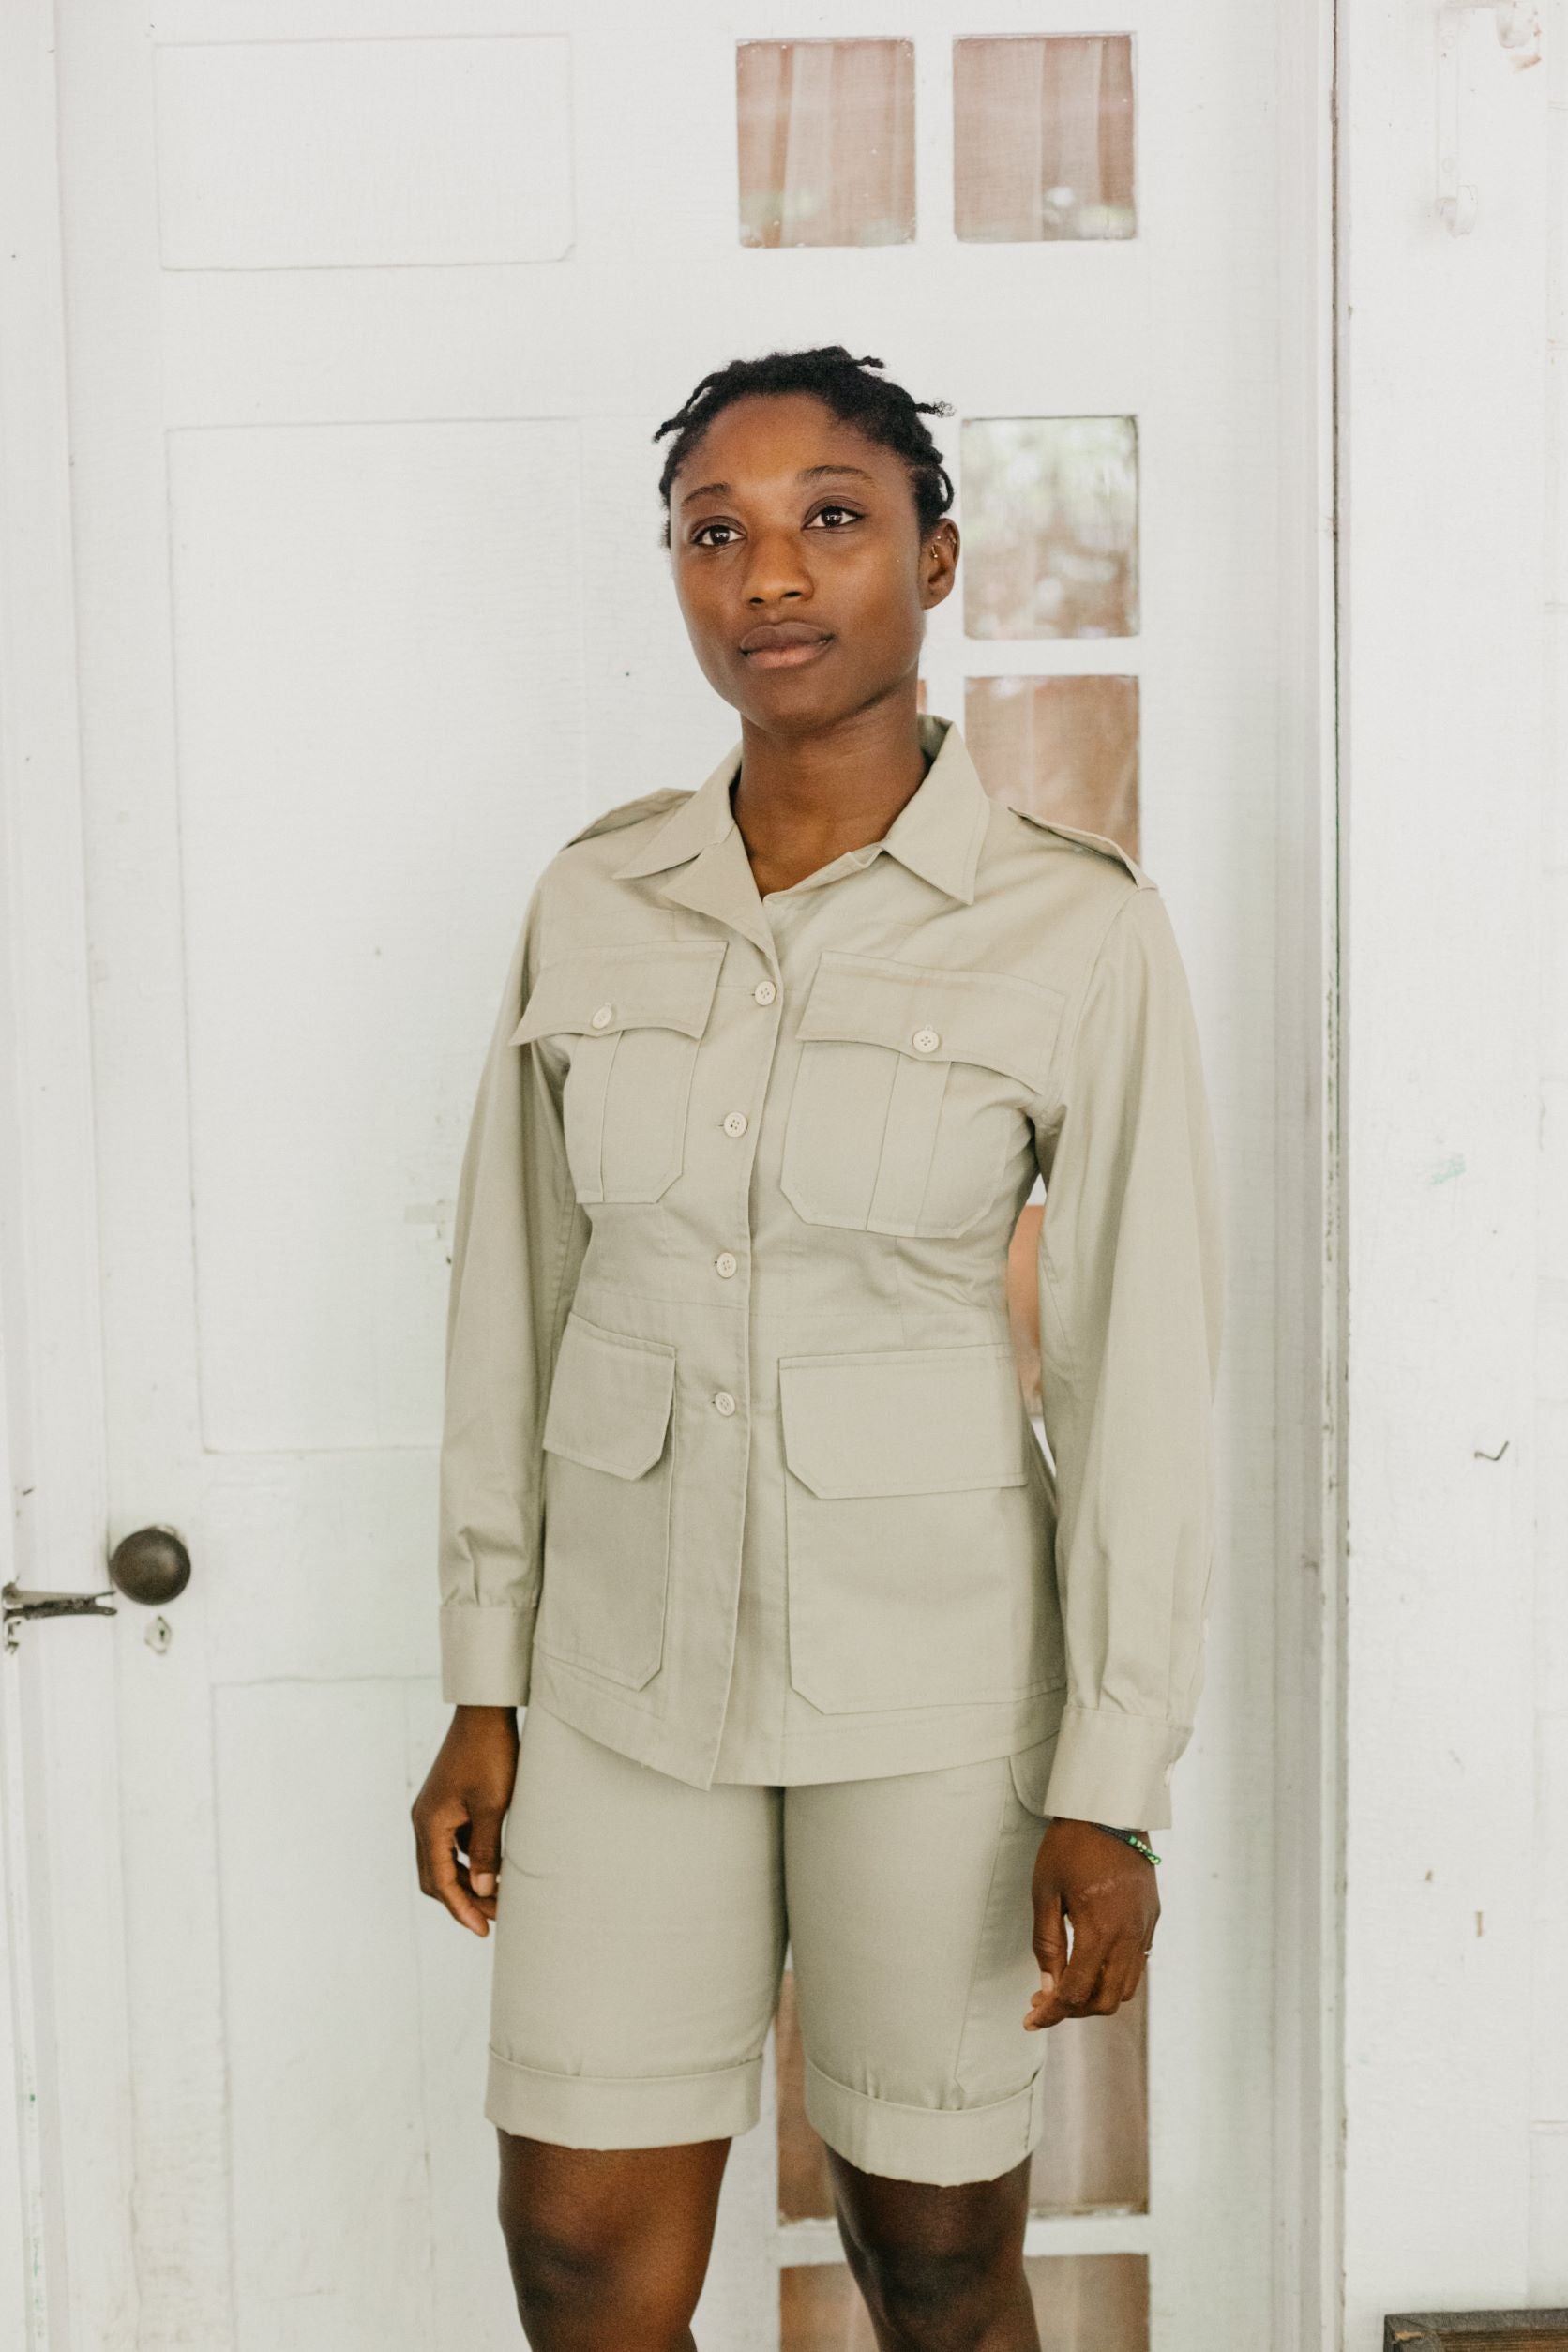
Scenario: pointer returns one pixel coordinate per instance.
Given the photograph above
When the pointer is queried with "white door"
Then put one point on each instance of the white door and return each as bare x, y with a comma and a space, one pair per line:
370, 321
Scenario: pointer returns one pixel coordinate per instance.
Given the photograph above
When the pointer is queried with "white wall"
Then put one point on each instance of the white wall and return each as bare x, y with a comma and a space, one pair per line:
1454, 1701
1548, 2104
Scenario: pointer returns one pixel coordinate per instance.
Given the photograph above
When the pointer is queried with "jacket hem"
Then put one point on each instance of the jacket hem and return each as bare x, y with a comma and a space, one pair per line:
917, 1742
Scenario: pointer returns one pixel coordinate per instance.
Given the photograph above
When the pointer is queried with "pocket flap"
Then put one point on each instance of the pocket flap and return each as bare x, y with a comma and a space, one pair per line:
987, 1017
904, 1421
663, 984
611, 1399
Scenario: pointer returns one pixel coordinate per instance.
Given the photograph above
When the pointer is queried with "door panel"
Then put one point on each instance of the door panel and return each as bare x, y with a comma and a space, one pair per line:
356, 635
354, 2036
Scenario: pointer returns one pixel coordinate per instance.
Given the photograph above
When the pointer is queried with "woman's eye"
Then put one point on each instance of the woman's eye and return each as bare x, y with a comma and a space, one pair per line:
699, 537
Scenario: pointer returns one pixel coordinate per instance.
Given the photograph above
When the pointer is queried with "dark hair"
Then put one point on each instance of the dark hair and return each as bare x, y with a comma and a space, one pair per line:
881, 410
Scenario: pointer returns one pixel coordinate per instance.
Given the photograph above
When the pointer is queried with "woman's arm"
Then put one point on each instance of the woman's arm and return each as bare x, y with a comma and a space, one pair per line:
519, 1236
1130, 1280
518, 1243
1130, 1277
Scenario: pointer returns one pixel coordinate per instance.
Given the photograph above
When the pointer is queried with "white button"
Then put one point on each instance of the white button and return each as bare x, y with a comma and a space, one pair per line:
735, 1122
764, 992
926, 1040
723, 1401
727, 1262
604, 1016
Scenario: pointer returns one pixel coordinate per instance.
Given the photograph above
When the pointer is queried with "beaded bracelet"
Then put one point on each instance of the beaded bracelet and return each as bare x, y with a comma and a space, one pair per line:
1129, 1837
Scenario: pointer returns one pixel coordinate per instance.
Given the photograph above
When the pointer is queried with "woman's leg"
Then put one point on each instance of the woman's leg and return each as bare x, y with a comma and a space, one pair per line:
637, 1949
941, 2268
608, 2247
911, 1916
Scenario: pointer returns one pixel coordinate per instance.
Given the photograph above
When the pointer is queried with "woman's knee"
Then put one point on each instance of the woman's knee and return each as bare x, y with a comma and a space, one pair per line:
945, 2299
584, 2285
608, 2244
939, 2268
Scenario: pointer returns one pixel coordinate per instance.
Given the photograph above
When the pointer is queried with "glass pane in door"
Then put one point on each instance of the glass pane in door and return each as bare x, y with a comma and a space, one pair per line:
1066, 748
1093, 2153
1043, 137
1050, 526
826, 138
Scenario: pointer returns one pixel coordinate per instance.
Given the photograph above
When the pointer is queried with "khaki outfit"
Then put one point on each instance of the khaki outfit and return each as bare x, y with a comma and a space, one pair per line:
737, 1478
641, 1932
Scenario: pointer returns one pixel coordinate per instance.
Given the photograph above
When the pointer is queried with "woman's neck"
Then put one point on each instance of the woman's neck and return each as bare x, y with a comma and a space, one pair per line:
801, 802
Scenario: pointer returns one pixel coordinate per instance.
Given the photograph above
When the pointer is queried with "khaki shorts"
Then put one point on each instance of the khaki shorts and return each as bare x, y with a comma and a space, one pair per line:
641, 1930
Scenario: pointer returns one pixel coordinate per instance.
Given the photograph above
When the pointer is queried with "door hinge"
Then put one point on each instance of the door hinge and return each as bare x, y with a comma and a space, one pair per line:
18, 1604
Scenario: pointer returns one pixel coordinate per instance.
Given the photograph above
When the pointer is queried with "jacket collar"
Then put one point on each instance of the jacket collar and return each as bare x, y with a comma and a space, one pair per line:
936, 834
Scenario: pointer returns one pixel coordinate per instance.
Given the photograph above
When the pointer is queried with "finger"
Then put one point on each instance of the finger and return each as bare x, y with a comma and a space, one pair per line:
1074, 1988
1118, 1979
484, 1856
1133, 1980
448, 1883
1050, 1942
420, 1863
1092, 1946
481, 1903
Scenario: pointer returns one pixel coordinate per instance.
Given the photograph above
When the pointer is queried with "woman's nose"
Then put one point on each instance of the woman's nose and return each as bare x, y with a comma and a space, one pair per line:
777, 571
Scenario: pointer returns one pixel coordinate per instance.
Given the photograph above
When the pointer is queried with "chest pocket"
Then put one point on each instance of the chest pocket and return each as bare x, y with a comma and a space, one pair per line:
910, 1088
631, 1020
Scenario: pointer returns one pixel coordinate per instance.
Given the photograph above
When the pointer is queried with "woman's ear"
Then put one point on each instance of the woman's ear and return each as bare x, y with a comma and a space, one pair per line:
939, 562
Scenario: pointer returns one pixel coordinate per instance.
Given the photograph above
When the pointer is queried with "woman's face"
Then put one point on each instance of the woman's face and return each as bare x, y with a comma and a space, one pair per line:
799, 566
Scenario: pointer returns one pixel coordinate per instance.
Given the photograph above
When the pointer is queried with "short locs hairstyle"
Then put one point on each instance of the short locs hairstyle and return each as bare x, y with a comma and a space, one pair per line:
881, 410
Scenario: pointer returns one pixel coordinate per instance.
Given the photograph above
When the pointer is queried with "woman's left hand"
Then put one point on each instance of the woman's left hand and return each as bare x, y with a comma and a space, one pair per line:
1107, 1888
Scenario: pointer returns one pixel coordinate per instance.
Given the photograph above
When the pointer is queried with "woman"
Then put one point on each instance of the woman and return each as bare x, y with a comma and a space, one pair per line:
738, 1487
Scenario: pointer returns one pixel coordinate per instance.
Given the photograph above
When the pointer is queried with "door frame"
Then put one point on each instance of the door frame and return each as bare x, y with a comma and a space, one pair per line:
1451, 674
65, 1926
62, 1956
1310, 1557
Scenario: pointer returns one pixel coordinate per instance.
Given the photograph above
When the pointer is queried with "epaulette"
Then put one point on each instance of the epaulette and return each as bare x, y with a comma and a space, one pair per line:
627, 812
1085, 840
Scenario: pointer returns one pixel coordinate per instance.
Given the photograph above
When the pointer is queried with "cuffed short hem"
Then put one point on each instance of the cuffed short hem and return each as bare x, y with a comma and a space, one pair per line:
623, 2111
945, 2146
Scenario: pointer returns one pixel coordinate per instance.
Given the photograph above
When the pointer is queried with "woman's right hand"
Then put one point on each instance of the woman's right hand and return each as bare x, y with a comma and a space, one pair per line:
459, 1812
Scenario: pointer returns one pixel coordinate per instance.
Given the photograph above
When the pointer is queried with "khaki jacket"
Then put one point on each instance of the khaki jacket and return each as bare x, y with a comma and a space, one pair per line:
737, 1475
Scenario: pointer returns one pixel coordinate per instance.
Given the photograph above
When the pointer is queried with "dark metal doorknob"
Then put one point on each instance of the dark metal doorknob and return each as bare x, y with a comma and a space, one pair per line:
151, 1566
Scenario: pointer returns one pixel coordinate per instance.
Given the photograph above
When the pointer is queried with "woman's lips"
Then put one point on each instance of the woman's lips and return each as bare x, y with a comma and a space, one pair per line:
787, 657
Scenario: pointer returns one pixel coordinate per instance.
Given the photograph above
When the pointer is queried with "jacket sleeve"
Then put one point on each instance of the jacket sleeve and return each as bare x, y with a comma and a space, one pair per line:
1130, 1280
519, 1236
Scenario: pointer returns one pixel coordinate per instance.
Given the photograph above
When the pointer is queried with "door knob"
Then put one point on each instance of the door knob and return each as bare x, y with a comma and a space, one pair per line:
151, 1566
